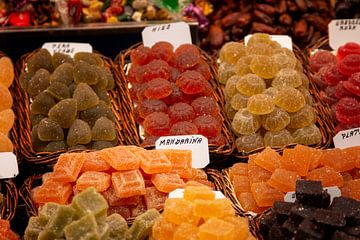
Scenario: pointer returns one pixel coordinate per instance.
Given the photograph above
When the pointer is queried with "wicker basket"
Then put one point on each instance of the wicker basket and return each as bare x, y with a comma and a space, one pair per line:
122, 61
10, 199
119, 100
322, 110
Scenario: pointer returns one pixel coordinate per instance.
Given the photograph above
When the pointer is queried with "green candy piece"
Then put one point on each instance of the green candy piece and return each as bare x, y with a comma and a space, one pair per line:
142, 225
104, 231
46, 235
34, 227
47, 211
83, 229
61, 217
118, 227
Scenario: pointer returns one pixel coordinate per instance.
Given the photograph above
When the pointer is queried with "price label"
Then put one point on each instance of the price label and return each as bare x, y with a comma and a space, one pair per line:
342, 31
198, 144
347, 138
333, 191
284, 40
8, 165
179, 193
174, 33
67, 47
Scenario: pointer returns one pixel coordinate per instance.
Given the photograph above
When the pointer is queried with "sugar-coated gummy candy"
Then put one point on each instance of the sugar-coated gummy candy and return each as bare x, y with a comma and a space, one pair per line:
245, 123
353, 84
155, 69
55, 146
24, 79
181, 112
289, 99
348, 48
186, 60
308, 135
230, 86
103, 95
162, 50
41, 104
85, 73
157, 124
91, 58
110, 80
36, 142
205, 106
118, 226
287, 77
349, 64
183, 128
103, 78
232, 51
38, 82
187, 47
58, 59
58, 90
276, 120
64, 112
6, 71
85, 97
278, 138
305, 92
79, 133
263, 66
141, 55
321, 58
41, 59
191, 82
63, 74
239, 101
259, 48
260, 104
333, 76
177, 96
218, 140
283, 61
5, 143
302, 118
50, 130
250, 84
103, 130
271, 91
84, 228
203, 68
7, 118
285, 51
230, 112
90, 115
249, 142
207, 125
347, 110
242, 66
149, 106
158, 88
226, 70
142, 225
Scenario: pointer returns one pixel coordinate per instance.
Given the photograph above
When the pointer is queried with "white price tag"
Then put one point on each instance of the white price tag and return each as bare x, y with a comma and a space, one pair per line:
342, 31
333, 191
347, 138
174, 33
8, 165
284, 40
67, 47
198, 144
179, 193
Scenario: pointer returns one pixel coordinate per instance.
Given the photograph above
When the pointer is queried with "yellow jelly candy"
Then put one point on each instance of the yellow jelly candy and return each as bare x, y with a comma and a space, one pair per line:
260, 104
289, 99
263, 66
232, 51
250, 84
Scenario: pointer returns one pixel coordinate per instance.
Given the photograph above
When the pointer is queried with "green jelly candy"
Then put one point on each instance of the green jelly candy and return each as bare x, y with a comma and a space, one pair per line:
110, 80
103, 95
41, 59
103, 78
24, 79
34, 227
85, 73
83, 229
39, 82
46, 235
58, 90
103, 130
85, 97
42, 103
64, 112
47, 211
92, 114
59, 59
91, 58
55, 146
90, 201
49, 130
63, 74
36, 142
79, 133
142, 225
63, 216
118, 227
104, 231
36, 118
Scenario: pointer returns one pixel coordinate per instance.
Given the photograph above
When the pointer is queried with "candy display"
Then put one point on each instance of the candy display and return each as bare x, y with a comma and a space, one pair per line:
86, 217
312, 216
70, 108
267, 95
5, 231
131, 179
199, 216
172, 93
268, 176
338, 77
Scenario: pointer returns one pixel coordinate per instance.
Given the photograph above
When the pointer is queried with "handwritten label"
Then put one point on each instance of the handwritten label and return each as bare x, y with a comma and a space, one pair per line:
8, 165
342, 31
174, 33
284, 40
197, 143
67, 47
333, 191
179, 193
347, 138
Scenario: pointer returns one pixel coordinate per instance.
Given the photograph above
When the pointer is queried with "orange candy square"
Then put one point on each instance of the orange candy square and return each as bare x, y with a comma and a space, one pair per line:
247, 202
256, 173
154, 198
99, 180
264, 195
52, 192
328, 177
154, 161
241, 184
128, 183
296, 159
167, 182
338, 159
268, 159
114, 200
93, 162
120, 158
238, 169
68, 167
283, 180
181, 161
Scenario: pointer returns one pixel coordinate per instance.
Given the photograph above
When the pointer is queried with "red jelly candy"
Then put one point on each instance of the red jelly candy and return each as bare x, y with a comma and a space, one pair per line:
162, 50
348, 111
341, 127
353, 84
350, 64
205, 106
139, 89
217, 140
332, 76
183, 128
209, 126
342, 92
187, 48
156, 69
320, 59
203, 68
158, 88
187, 60
176, 96
157, 124
141, 55
208, 90
137, 116
181, 112
149, 106
348, 48
328, 95
174, 74
149, 141
191, 82
319, 77
134, 73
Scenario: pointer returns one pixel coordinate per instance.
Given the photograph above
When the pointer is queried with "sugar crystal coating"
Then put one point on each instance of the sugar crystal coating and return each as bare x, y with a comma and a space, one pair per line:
181, 112
250, 84
239, 101
58, 90
85, 73
158, 88
41, 59
103, 130
85, 97
289, 99
302, 118
64, 112
278, 138
91, 58
260, 104
263, 67
157, 124
308, 135
50, 130
208, 126
284, 61
245, 122
230, 86
276, 120
287, 77
249, 142
42, 103
232, 51
242, 66
6, 71
63, 74
38, 82
79, 133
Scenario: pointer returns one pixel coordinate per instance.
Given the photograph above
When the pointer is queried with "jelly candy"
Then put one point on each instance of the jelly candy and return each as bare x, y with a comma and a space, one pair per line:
260, 104
98, 145
90, 115
250, 84
58, 59
154, 161
231, 52
41, 59
93, 162
154, 198
85, 73
35, 226
191, 82
302, 118
283, 180
63, 74
249, 142
247, 202
103, 130
5, 143
203, 68
230, 112
158, 88
55, 146
297, 159
239, 101
328, 177
226, 71
218, 140
328, 95
62, 216
142, 225
263, 67
64, 112
118, 226
114, 200
240, 184
186, 231
157, 124
58, 90
24, 79
260, 48
349, 64
208, 126
347, 110
230, 87
183, 128
181, 161
6, 71
103, 76
196, 192
242, 66
7, 118
332, 76
90, 201
162, 50
278, 138
181, 112
337, 159
268, 159
49, 130
265, 195
91, 58
52, 192
287, 77
205, 106
177, 96
36, 142
308, 135
167, 182
99, 180
256, 173
156, 69
321, 59
163, 229
216, 229
41, 104
84, 228
305, 92
245, 122
128, 183
276, 120
79, 133
85, 97
259, 38
141, 55
289, 99
38, 82
348, 48
283, 61
68, 166
352, 85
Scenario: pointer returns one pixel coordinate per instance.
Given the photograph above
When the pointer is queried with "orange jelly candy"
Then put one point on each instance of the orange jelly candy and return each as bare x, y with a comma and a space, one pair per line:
198, 192
178, 210
52, 192
167, 182
268, 159
328, 176
68, 166
247, 202
6, 100
93, 162
128, 183
241, 226
264, 195
256, 173
283, 180
336, 159
154, 161
353, 189
7, 118
296, 159
114, 200
163, 229
6, 71
218, 208
353, 154
99, 180
186, 231
181, 161
238, 169
154, 198
5, 143
216, 229
315, 155
120, 158
241, 184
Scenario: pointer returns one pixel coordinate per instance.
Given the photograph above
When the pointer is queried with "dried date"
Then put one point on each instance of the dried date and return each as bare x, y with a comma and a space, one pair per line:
260, 27
262, 17
285, 19
266, 8
300, 28
230, 19
216, 36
